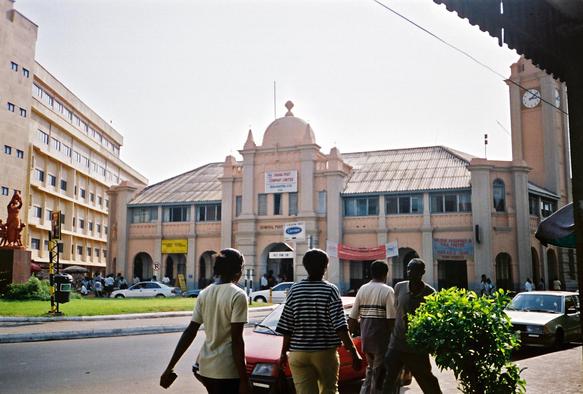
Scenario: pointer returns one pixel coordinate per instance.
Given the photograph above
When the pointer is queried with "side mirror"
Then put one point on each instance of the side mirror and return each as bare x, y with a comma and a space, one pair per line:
572, 309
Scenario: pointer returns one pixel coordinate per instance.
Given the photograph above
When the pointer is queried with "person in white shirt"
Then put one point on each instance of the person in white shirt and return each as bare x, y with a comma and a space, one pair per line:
375, 307
222, 307
528, 286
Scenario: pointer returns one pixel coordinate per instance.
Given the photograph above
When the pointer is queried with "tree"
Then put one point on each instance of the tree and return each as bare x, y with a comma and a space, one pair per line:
470, 335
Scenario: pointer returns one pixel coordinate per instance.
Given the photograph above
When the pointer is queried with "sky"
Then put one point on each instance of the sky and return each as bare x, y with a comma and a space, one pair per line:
184, 81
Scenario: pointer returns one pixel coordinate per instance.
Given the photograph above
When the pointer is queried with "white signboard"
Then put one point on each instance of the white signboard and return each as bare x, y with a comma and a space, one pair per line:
294, 231
281, 255
332, 248
392, 249
281, 181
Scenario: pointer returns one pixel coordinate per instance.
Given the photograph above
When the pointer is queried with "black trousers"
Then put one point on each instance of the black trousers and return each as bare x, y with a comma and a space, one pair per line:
219, 386
419, 366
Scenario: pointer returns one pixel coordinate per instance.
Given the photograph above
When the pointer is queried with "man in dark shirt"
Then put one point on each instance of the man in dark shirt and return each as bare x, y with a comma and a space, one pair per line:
408, 296
313, 324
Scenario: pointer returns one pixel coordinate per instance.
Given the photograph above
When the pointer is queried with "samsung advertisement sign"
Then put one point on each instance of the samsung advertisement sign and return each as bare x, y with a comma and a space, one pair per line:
294, 231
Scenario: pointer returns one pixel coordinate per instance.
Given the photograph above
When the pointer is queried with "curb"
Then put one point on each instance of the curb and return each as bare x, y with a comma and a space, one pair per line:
132, 316
100, 333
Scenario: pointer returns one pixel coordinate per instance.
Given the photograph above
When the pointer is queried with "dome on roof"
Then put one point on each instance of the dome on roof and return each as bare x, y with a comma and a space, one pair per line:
288, 131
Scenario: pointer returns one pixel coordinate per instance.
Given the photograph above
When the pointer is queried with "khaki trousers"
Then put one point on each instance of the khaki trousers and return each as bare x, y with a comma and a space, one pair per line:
315, 372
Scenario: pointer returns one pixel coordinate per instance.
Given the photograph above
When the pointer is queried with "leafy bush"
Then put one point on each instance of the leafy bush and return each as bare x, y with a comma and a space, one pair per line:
470, 335
33, 289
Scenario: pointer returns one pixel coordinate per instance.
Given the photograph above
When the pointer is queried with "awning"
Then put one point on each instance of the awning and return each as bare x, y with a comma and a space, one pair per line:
346, 252
558, 229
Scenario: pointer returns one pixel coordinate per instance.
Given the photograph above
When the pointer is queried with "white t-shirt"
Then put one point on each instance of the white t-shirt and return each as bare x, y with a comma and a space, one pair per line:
528, 286
217, 307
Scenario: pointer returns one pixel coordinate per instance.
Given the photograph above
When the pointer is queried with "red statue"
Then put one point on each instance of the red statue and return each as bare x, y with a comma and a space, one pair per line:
10, 232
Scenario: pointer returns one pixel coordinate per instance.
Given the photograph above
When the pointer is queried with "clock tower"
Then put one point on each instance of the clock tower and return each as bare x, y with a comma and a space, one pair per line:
540, 127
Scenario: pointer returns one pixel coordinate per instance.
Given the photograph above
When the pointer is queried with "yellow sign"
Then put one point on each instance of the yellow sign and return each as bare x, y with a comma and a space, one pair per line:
181, 282
174, 246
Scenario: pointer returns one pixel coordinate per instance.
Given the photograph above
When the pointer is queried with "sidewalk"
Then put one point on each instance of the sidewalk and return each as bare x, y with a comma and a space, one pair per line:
13, 330
546, 372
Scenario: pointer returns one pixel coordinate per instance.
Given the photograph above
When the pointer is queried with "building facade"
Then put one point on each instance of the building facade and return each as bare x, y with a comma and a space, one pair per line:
56, 151
465, 216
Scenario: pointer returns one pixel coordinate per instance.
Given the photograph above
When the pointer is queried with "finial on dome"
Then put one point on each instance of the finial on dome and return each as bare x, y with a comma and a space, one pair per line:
250, 143
289, 105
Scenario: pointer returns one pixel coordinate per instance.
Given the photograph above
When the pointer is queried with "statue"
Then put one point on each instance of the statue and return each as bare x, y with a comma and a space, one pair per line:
10, 232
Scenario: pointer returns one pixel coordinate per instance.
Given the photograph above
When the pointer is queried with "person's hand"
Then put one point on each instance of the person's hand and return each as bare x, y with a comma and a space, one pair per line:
356, 360
282, 360
168, 376
245, 386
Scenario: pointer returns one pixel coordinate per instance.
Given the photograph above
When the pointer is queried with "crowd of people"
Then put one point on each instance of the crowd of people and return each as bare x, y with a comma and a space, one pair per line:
313, 325
103, 286
268, 280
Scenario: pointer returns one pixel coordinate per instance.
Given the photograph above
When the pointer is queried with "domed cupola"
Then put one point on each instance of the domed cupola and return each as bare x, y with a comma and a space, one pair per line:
288, 131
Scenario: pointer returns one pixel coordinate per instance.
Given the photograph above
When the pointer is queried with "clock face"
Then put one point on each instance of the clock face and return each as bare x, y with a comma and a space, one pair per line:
557, 98
531, 98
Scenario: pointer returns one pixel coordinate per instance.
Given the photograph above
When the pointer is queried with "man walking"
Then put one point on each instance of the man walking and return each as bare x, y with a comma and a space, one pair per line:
222, 307
312, 324
375, 306
408, 296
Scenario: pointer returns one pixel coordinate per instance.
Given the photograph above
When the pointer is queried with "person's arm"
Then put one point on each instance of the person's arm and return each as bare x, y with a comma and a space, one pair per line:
284, 350
183, 344
239, 356
349, 345
353, 325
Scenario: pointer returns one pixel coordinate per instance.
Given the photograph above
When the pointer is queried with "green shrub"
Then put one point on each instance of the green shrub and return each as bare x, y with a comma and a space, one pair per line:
33, 289
470, 335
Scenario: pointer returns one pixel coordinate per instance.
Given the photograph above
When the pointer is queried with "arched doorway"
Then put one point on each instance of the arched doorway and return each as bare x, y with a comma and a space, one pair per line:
169, 272
175, 265
143, 266
282, 268
205, 268
553, 267
504, 271
535, 267
400, 264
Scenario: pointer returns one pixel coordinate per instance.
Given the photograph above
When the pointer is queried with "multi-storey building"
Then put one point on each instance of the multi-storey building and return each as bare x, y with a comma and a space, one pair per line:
56, 150
465, 216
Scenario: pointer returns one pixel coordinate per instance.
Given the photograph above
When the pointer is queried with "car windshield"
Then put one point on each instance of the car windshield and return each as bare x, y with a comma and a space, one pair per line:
536, 303
268, 325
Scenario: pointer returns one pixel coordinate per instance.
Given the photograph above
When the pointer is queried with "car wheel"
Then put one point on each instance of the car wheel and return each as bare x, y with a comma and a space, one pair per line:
259, 299
119, 296
559, 338
160, 296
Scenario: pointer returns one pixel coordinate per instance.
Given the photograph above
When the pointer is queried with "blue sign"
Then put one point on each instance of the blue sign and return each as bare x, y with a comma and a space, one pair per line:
453, 249
293, 230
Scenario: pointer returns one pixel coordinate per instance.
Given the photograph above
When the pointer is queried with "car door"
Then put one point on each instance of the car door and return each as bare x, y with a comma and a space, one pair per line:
572, 324
280, 292
151, 289
134, 291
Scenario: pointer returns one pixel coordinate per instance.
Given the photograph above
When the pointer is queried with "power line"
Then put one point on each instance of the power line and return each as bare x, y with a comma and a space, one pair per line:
466, 54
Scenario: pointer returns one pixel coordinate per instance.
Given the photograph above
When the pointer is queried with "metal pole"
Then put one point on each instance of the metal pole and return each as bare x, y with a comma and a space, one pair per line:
58, 266
51, 273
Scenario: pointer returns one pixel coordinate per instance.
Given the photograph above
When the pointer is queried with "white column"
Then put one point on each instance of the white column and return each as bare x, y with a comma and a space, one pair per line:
427, 244
306, 190
482, 217
227, 213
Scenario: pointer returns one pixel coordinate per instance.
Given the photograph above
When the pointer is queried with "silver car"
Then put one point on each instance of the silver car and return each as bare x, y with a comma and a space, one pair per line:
546, 318
146, 289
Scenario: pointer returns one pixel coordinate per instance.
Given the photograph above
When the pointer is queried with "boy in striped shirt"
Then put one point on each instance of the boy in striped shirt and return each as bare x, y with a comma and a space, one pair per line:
313, 324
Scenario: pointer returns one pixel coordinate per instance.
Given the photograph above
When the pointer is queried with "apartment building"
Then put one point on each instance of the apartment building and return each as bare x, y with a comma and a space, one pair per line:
56, 150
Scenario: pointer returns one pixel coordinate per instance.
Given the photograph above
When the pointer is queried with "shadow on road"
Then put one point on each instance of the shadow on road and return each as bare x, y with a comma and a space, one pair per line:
529, 352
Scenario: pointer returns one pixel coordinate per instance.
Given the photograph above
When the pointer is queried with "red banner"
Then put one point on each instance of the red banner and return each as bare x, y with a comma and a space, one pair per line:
346, 252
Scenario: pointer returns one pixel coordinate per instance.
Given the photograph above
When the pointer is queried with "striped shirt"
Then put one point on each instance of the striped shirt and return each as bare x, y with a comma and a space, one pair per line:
311, 316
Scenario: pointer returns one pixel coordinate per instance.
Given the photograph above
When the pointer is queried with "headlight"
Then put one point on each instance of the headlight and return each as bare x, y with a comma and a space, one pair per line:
534, 329
263, 369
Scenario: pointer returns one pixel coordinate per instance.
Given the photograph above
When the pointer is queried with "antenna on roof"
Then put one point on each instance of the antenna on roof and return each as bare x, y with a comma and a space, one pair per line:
274, 97
485, 146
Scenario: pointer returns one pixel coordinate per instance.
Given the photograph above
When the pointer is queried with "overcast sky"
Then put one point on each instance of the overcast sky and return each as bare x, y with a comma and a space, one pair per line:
183, 81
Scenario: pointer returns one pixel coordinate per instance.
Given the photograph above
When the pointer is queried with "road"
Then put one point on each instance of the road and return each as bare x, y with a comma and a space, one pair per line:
133, 364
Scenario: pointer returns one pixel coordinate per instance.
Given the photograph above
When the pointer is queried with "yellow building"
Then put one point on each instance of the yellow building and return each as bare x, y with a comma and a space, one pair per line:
56, 150
464, 215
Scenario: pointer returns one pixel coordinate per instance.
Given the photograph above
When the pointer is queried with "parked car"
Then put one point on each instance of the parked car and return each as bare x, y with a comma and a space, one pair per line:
278, 293
263, 348
546, 318
146, 289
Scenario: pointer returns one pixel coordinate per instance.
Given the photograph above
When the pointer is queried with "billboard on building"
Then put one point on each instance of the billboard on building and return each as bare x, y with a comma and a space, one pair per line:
174, 246
281, 181
453, 249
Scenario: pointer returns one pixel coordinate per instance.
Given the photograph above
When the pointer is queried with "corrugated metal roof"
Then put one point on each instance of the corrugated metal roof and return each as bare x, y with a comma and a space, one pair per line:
541, 191
200, 184
404, 170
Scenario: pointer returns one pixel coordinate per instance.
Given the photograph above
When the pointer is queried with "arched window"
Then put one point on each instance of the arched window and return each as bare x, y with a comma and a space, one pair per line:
499, 194
504, 271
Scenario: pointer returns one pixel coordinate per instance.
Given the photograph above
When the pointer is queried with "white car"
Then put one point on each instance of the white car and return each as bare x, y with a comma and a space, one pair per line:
278, 293
145, 289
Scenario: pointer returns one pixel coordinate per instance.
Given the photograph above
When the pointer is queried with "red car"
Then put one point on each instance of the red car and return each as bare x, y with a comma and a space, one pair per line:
263, 347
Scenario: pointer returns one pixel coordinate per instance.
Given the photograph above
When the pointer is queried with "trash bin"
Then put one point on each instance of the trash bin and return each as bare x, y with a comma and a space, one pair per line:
63, 287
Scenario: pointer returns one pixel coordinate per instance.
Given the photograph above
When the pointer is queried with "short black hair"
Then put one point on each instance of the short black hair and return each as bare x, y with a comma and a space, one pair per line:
315, 261
378, 269
228, 263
